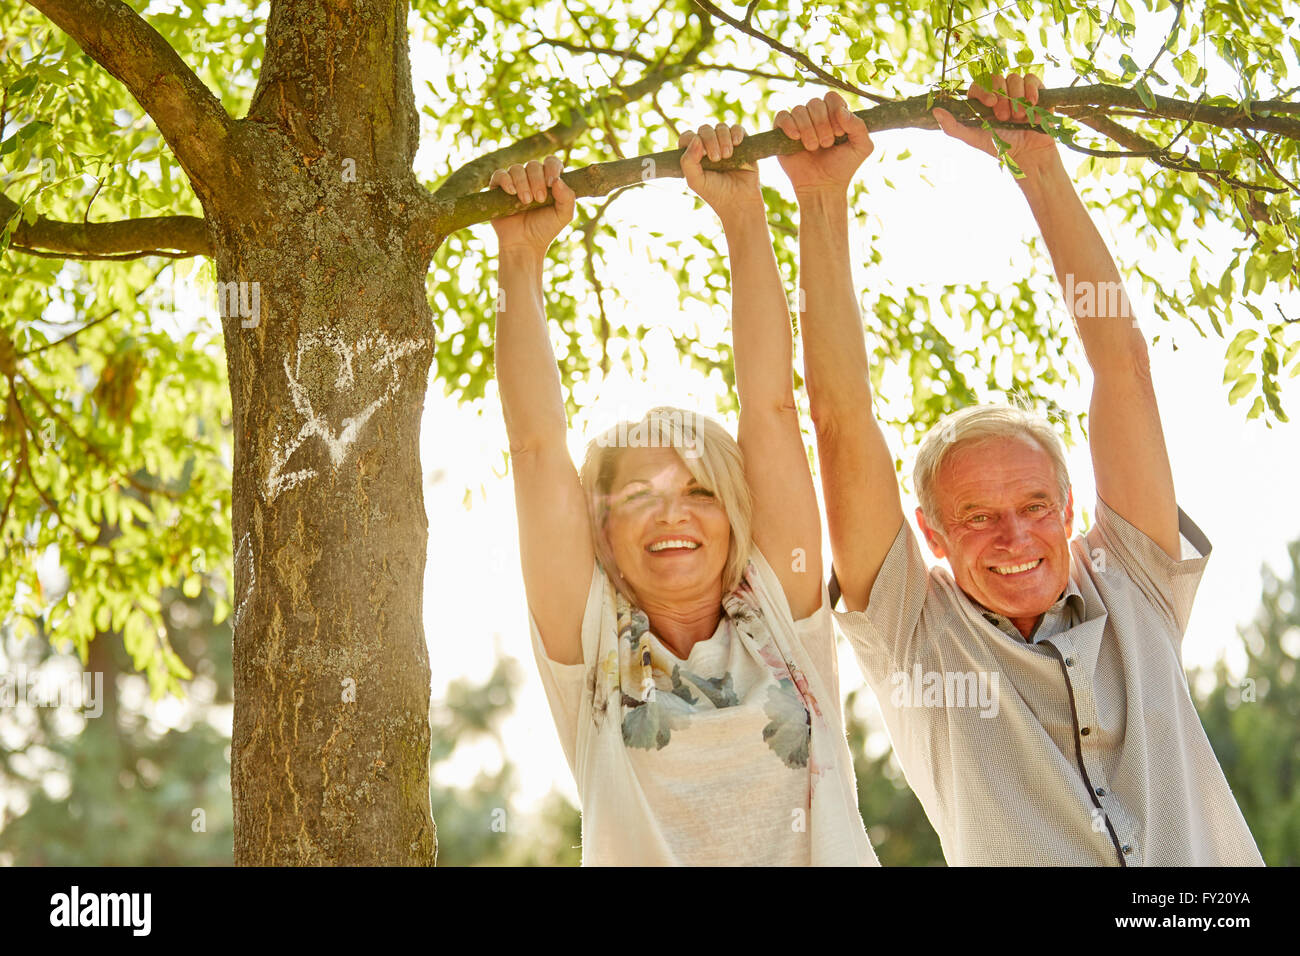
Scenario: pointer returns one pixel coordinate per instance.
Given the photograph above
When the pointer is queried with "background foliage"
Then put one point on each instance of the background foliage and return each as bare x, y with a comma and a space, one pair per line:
115, 444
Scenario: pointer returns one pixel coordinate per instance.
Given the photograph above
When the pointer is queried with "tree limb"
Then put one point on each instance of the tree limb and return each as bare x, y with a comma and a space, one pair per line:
172, 236
1268, 161
1140, 146
188, 115
90, 446
24, 461
445, 214
475, 174
744, 27
645, 60
71, 335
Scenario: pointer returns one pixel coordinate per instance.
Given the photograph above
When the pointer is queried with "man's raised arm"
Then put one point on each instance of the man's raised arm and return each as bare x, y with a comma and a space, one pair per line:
863, 507
1129, 457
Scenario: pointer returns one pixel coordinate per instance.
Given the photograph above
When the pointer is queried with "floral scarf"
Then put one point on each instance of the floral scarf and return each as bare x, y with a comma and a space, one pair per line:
647, 714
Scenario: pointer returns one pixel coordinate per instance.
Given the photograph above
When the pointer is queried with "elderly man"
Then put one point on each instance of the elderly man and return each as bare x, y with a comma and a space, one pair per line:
1034, 692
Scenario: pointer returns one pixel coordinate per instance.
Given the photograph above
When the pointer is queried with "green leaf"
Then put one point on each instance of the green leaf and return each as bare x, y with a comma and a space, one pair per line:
1280, 265
32, 130
1239, 343
1256, 276
1085, 30
1242, 388
1144, 94
22, 86
1268, 361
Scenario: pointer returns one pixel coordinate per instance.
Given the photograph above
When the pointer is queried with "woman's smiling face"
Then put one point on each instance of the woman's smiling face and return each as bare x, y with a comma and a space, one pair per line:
669, 535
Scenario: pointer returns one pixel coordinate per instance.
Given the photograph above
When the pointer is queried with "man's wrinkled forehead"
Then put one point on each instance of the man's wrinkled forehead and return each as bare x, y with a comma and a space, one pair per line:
996, 471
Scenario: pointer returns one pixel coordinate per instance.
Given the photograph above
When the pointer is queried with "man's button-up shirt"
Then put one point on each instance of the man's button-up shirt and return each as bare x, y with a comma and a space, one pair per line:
1077, 746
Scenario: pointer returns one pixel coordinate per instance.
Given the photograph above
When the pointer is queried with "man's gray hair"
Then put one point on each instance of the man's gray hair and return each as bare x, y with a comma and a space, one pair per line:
979, 423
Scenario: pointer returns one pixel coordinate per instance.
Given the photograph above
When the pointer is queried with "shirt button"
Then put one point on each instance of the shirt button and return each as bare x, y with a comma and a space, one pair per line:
1069, 662
1084, 731
1101, 791
1127, 849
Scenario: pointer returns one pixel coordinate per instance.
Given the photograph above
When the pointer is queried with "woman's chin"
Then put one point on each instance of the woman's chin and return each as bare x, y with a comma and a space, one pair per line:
667, 583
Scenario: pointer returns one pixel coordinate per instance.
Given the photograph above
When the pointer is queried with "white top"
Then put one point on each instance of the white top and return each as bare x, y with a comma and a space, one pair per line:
715, 759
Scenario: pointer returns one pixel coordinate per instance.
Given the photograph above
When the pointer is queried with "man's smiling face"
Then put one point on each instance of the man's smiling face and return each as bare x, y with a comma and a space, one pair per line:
1004, 530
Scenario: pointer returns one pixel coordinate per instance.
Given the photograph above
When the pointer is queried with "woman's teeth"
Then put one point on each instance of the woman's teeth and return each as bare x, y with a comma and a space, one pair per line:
674, 543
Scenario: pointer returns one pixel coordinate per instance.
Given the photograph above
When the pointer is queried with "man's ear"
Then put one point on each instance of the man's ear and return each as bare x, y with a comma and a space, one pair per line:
1068, 515
933, 538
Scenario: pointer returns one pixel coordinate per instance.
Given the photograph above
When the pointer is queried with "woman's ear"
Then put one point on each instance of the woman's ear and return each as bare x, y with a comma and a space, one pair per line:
605, 555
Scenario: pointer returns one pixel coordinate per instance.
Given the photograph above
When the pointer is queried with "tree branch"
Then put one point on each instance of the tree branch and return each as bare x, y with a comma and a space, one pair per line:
173, 236
188, 115
1162, 156
4, 514
1101, 35
743, 26
445, 214
643, 59
1169, 38
475, 174
91, 447
71, 335
1268, 161
24, 461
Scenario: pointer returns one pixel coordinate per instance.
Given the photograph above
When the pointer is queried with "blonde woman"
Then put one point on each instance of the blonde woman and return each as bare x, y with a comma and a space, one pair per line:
675, 591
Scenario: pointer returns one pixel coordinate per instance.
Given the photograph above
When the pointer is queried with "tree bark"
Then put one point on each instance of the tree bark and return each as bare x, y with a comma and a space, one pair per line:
329, 355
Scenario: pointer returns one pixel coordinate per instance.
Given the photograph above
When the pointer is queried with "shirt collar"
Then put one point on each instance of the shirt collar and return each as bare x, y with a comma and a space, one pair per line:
1067, 611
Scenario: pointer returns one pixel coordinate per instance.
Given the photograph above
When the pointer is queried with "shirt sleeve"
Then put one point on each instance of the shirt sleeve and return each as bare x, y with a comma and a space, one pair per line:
565, 684
1169, 585
885, 631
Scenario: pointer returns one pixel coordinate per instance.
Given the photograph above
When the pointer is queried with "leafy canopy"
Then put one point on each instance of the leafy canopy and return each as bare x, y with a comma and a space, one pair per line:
115, 441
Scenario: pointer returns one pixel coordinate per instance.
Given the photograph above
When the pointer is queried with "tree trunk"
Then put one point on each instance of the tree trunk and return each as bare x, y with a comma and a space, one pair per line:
329, 340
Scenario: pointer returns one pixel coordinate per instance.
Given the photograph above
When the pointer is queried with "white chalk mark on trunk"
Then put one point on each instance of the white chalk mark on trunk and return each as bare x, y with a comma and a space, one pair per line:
336, 443
245, 548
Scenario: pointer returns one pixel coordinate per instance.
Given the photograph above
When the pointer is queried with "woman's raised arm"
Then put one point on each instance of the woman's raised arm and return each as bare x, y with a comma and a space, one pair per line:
786, 524
554, 528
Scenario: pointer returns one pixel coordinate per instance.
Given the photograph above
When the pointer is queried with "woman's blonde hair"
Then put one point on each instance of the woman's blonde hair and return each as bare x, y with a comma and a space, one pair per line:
709, 453
979, 423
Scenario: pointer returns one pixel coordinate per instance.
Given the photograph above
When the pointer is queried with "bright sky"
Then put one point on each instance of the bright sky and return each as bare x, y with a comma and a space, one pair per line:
1234, 477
